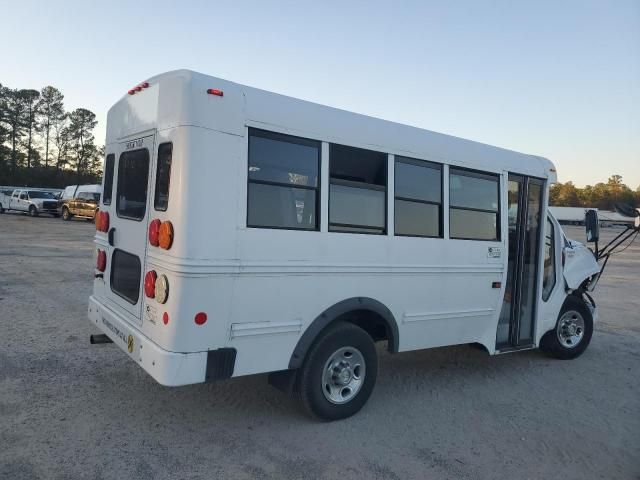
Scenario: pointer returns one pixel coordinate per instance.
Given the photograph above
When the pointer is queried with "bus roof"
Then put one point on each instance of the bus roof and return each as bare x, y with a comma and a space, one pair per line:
180, 98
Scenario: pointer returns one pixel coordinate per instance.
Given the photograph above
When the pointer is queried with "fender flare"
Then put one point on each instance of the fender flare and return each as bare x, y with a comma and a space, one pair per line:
335, 311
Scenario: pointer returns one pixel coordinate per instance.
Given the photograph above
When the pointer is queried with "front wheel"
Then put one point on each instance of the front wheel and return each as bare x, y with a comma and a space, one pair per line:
573, 331
33, 211
66, 214
339, 372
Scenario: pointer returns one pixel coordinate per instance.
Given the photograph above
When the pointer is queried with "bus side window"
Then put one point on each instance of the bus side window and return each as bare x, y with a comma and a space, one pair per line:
474, 200
549, 278
163, 176
283, 181
418, 198
108, 179
357, 190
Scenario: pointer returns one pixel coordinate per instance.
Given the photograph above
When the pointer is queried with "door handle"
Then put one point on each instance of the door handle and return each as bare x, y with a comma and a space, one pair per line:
111, 234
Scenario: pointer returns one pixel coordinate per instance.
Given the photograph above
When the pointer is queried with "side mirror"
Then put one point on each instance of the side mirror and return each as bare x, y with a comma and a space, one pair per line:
592, 225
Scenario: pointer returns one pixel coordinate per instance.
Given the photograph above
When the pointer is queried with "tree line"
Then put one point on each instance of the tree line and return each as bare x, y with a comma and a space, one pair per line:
44, 145
601, 195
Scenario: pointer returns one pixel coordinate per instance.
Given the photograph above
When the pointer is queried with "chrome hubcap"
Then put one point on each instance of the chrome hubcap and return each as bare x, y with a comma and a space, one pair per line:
343, 375
570, 329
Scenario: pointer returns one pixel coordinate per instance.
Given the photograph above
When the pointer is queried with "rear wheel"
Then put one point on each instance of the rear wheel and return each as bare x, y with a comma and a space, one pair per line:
66, 214
33, 211
339, 372
573, 331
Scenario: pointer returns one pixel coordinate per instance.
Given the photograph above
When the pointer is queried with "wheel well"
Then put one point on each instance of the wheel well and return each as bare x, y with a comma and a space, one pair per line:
369, 314
371, 322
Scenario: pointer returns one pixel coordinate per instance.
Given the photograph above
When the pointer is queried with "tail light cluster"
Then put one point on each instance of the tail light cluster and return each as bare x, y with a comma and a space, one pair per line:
156, 286
102, 221
161, 234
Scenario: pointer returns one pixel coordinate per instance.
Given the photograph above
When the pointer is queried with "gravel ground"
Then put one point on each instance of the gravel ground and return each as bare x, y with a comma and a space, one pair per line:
72, 410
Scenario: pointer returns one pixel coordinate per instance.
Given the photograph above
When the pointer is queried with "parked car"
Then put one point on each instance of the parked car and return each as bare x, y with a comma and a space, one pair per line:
31, 201
83, 205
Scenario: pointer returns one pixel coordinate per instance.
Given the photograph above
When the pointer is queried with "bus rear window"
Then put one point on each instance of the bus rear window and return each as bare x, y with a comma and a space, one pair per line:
163, 177
125, 276
131, 195
108, 178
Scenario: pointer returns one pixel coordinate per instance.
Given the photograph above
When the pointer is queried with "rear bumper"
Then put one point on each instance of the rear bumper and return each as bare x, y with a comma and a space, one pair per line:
167, 368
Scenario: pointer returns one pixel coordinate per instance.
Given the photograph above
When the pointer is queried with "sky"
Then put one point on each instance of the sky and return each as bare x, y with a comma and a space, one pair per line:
560, 79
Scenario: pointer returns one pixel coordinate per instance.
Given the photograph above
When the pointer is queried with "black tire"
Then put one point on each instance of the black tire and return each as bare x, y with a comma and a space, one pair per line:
1, 208
338, 336
66, 214
574, 308
33, 211
55, 215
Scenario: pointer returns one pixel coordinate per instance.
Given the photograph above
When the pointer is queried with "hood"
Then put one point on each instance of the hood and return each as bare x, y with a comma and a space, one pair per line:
580, 264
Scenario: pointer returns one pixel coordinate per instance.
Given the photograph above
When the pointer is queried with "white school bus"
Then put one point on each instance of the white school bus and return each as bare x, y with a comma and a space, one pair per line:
242, 232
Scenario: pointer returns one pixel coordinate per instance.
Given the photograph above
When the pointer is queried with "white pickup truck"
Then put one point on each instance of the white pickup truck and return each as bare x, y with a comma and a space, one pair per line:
33, 202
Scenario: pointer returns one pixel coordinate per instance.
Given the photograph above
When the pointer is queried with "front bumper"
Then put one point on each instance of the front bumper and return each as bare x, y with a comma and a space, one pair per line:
167, 368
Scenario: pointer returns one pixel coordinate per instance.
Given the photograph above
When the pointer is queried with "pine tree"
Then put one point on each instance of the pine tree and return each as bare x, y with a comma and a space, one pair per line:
81, 125
51, 110
31, 98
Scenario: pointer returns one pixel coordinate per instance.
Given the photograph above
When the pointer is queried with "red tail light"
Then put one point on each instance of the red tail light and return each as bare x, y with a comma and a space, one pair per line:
101, 261
215, 91
150, 284
165, 318
154, 232
98, 220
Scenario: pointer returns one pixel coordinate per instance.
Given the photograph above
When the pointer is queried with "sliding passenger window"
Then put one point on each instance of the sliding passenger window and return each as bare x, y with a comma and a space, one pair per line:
108, 179
283, 190
474, 205
358, 190
163, 177
549, 277
418, 198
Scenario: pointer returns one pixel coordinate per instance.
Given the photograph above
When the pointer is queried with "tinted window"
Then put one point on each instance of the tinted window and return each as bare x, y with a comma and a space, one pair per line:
418, 198
473, 190
108, 178
357, 194
418, 180
283, 184
163, 176
283, 159
125, 276
38, 194
474, 205
131, 196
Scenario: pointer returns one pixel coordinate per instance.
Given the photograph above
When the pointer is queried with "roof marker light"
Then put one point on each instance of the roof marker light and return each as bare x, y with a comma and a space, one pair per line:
144, 84
165, 318
200, 318
215, 91
138, 88
131, 92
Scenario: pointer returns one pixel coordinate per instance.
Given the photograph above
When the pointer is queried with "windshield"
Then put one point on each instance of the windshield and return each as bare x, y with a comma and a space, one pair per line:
37, 194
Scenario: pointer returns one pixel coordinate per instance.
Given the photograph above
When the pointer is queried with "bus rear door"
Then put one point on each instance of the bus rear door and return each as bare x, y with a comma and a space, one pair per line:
128, 219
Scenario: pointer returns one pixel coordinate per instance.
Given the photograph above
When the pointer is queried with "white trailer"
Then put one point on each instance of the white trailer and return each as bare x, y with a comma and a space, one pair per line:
241, 231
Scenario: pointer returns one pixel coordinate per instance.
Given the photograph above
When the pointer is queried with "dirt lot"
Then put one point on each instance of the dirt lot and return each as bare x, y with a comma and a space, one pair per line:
72, 410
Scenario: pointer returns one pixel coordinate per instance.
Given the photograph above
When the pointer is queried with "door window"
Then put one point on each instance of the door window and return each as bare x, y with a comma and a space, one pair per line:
549, 278
133, 173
